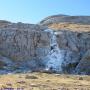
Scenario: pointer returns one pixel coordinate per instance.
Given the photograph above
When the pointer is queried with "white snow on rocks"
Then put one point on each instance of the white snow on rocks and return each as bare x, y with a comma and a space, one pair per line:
56, 56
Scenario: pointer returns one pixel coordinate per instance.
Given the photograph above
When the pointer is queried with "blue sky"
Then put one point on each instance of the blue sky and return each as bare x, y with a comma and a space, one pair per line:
32, 11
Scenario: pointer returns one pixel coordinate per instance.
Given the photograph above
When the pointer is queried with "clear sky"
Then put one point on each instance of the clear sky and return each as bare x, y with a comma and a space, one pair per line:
32, 11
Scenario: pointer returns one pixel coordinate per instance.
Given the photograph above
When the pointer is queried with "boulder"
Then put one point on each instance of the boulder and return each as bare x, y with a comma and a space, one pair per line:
84, 65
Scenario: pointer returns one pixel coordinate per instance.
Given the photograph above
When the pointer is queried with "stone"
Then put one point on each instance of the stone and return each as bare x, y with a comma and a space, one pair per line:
84, 65
33, 47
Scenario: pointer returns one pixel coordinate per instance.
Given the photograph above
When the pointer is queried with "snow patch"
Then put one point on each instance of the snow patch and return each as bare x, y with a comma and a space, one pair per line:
56, 56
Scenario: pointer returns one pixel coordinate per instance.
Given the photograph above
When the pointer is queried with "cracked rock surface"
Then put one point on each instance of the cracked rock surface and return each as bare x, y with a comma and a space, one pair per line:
32, 47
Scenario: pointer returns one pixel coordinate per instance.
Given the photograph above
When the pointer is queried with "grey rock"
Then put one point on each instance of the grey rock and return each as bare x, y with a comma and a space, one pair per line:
28, 47
84, 65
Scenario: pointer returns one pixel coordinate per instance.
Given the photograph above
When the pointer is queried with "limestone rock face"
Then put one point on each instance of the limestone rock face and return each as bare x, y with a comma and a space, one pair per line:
29, 47
5, 64
24, 45
19, 44
73, 36
75, 45
84, 65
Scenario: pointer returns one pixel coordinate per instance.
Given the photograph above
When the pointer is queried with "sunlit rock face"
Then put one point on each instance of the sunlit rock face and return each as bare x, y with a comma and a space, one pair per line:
34, 47
29, 47
24, 44
76, 45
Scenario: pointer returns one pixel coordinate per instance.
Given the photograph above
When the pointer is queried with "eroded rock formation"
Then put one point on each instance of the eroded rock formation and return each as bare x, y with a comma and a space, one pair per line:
29, 47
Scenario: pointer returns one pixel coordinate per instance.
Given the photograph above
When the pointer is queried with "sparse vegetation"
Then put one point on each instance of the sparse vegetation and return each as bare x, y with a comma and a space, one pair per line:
80, 78
70, 26
45, 81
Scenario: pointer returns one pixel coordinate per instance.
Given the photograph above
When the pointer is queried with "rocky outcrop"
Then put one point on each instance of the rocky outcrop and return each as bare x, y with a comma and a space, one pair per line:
24, 44
84, 65
75, 45
29, 47
73, 36
65, 19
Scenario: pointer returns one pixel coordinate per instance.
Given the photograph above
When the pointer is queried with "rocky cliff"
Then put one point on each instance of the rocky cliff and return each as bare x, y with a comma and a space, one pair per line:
53, 47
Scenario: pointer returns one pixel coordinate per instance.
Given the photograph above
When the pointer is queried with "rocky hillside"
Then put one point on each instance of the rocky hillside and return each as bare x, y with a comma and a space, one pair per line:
65, 19
59, 44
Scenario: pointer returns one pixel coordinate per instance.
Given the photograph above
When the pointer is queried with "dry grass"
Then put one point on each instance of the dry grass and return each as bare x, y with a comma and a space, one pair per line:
43, 81
72, 27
